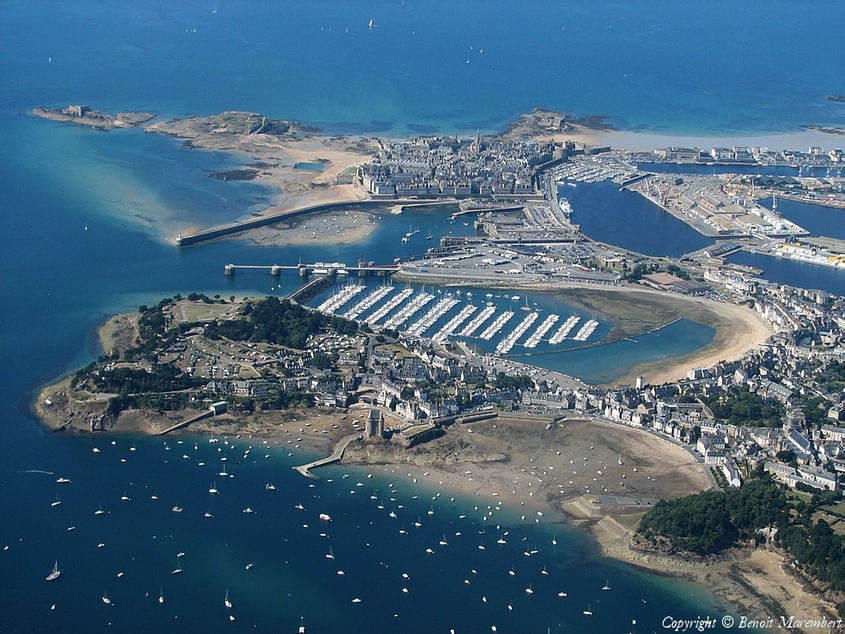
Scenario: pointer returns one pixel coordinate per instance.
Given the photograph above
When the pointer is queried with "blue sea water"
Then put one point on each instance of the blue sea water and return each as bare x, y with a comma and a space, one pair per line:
85, 217
435, 65
626, 219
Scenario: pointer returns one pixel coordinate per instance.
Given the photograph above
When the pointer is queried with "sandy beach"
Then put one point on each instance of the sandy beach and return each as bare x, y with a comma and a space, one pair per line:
347, 227
302, 166
738, 330
643, 140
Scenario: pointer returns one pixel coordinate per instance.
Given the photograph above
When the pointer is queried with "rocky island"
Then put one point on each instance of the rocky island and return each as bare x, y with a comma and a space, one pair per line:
83, 115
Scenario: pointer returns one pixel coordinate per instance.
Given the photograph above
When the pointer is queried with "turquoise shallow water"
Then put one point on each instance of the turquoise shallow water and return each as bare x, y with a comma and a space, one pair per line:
84, 217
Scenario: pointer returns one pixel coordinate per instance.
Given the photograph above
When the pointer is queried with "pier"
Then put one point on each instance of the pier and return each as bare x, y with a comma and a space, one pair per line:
304, 270
336, 456
187, 422
482, 209
311, 289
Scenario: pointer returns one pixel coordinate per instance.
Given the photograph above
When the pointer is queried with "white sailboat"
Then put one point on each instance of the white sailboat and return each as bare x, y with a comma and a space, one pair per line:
160, 595
588, 611
226, 601
55, 574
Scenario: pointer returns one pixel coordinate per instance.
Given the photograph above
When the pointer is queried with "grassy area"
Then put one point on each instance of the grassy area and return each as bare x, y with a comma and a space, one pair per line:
794, 496
629, 520
835, 521
837, 509
187, 311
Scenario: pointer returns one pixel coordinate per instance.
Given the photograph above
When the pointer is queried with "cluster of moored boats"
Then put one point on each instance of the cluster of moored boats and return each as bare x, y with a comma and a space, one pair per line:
405, 311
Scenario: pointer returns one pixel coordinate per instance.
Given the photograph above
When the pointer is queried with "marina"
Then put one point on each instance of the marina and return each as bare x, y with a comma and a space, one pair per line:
454, 316
586, 330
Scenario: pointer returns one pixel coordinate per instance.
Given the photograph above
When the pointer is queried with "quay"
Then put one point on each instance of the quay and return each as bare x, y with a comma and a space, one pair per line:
324, 268
494, 208
336, 456
238, 227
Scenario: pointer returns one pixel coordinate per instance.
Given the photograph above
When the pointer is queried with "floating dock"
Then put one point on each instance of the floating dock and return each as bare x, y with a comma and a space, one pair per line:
563, 332
340, 298
368, 302
389, 305
453, 323
493, 329
510, 340
440, 308
409, 310
586, 330
538, 334
475, 324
